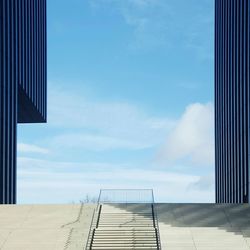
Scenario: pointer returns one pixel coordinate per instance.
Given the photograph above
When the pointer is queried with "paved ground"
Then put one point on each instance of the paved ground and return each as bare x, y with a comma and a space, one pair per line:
204, 227
182, 226
44, 227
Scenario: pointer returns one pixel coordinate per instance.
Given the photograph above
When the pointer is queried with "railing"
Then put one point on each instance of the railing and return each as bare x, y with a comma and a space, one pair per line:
90, 231
126, 196
158, 237
96, 213
92, 239
98, 218
123, 196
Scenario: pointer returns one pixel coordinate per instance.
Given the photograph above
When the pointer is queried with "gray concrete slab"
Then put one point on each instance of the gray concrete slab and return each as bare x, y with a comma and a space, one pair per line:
204, 226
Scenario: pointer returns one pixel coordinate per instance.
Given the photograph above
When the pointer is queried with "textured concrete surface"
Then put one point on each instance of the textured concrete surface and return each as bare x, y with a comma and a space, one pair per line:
182, 226
202, 226
44, 227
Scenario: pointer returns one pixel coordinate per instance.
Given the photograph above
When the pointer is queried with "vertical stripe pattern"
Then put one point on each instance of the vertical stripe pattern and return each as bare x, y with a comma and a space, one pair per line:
232, 100
32, 78
22, 73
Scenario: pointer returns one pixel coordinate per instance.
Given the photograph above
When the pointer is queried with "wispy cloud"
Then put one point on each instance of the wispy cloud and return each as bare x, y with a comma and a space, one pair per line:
30, 148
157, 23
97, 142
145, 17
206, 183
102, 125
49, 181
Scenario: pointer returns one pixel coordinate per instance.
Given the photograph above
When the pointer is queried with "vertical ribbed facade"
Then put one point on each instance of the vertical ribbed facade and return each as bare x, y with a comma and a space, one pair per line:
22, 80
232, 44
32, 61
8, 103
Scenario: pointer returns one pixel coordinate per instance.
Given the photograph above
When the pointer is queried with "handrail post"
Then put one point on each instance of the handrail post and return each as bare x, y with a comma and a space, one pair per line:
153, 198
99, 196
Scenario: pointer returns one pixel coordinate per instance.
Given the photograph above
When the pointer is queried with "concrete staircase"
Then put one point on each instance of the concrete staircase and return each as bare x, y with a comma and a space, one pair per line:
117, 228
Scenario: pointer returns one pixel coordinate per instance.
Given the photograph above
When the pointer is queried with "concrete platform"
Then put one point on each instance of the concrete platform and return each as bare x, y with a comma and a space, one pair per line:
44, 227
182, 226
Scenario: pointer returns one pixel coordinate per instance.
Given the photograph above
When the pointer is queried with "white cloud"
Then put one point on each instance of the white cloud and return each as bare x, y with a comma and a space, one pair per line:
30, 148
192, 139
97, 142
206, 182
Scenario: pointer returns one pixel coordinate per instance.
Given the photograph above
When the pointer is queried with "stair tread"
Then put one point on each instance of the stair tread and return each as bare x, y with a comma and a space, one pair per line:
123, 230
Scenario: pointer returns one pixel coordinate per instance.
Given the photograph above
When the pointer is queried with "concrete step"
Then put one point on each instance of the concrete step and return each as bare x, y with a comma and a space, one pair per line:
123, 247
116, 229
122, 244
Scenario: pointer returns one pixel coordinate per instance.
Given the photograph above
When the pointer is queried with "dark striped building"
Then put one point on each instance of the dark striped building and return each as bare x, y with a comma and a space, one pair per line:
23, 79
232, 48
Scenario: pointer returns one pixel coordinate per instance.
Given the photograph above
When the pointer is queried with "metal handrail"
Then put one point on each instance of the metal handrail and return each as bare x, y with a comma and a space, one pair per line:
99, 214
157, 242
98, 201
156, 225
92, 239
91, 224
153, 214
148, 193
153, 198
96, 212
158, 229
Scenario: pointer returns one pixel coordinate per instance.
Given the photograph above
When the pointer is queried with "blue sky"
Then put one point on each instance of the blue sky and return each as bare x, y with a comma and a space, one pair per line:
130, 103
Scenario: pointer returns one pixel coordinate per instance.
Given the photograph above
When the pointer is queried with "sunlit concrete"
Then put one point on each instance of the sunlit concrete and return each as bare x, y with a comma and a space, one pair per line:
182, 226
44, 227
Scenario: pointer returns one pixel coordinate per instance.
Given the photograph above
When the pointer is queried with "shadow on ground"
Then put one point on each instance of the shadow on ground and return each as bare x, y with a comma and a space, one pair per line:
229, 217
